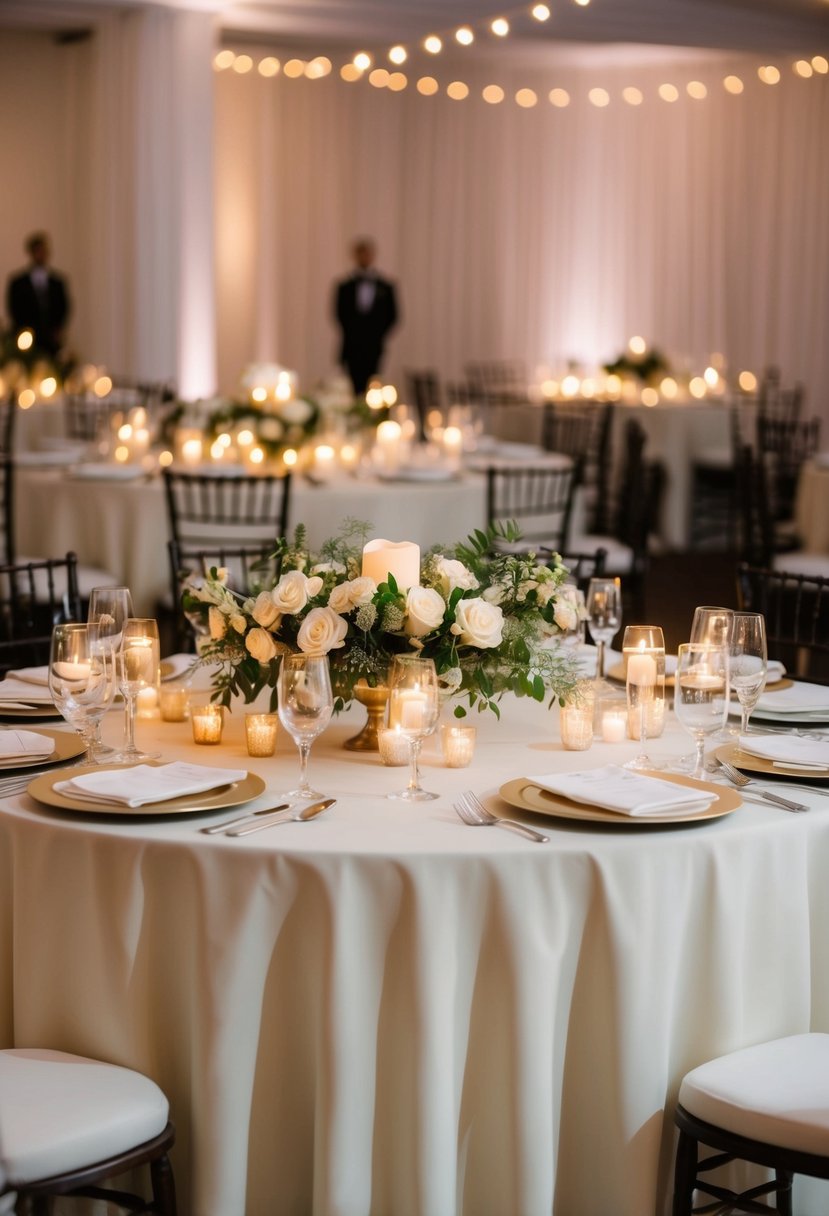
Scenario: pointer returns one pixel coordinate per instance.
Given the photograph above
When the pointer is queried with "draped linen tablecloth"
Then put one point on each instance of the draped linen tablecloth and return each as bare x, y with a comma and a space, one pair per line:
811, 510
384, 1011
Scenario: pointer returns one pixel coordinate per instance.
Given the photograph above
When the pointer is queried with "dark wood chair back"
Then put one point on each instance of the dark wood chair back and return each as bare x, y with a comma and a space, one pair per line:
250, 569
34, 597
424, 393
498, 381
209, 510
786, 444
796, 609
583, 432
537, 497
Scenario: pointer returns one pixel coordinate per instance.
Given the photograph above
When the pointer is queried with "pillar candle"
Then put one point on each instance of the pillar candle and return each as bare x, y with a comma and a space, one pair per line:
400, 558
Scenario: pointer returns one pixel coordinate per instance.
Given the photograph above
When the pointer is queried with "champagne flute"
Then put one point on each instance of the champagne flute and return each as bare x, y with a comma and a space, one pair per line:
306, 703
413, 709
711, 625
81, 681
604, 615
109, 607
137, 665
701, 694
749, 661
644, 650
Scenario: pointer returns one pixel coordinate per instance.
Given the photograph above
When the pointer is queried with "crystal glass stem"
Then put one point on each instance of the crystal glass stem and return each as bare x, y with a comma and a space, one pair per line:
600, 659
414, 772
304, 789
129, 725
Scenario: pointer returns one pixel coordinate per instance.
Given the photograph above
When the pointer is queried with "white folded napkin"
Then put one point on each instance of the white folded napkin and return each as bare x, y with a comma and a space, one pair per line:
31, 675
174, 666
789, 750
618, 789
23, 692
20, 743
146, 783
801, 698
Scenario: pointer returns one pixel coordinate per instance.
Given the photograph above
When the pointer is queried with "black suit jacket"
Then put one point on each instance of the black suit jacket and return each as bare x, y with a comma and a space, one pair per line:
365, 332
45, 313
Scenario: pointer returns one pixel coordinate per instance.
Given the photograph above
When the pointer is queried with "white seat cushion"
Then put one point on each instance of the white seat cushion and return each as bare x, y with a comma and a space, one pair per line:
61, 1112
776, 1092
799, 561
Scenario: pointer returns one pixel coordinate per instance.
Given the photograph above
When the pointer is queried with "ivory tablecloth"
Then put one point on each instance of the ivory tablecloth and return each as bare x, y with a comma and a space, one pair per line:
386, 1012
811, 511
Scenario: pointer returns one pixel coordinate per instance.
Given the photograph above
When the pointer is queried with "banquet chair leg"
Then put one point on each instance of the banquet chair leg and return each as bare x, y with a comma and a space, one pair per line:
164, 1186
785, 1179
685, 1175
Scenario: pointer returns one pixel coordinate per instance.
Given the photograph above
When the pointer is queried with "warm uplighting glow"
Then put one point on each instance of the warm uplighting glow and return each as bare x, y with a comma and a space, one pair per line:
48, 386
820, 64
223, 60
121, 454
26, 399
599, 97
268, 66
374, 399
317, 68
102, 386
125, 432
457, 90
432, 44
397, 81
500, 27
242, 64
696, 89
25, 339
650, 397
588, 387
362, 61
733, 84
464, 36
614, 384
350, 73
217, 450
541, 12
711, 377
769, 74
583, 3
283, 391
570, 386
668, 92
526, 98
388, 432
632, 96
669, 387
398, 55
427, 85
289, 458
379, 78
697, 387
549, 388
294, 68
165, 458
259, 394
245, 438
747, 381
389, 394
803, 68
493, 93
637, 345
559, 98
256, 455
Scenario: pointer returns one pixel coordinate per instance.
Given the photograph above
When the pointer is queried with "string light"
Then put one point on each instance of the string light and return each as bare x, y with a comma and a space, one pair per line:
632, 96
500, 27
540, 12
493, 93
465, 37
398, 55
433, 44
362, 61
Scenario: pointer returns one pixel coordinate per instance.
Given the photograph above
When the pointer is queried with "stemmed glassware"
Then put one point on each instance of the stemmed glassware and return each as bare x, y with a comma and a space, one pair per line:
604, 615
137, 665
711, 625
82, 681
644, 650
701, 694
306, 703
749, 661
109, 607
413, 709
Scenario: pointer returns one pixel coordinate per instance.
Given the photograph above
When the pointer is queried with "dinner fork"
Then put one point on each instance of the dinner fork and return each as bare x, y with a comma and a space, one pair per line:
740, 780
473, 812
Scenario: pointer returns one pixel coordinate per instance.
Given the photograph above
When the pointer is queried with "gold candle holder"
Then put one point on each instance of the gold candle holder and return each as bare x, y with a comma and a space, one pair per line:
374, 699
260, 733
207, 722
174, 703
458, 744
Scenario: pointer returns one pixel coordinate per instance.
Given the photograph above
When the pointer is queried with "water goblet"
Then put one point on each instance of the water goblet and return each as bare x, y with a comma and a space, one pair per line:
137, 667
711, 625
81, 681
749, 661
413, 708
109, 607
701, 694
644, 650
306, 703
604, 615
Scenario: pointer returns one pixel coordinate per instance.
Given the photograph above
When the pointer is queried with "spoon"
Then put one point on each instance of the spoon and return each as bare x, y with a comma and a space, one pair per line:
303, 814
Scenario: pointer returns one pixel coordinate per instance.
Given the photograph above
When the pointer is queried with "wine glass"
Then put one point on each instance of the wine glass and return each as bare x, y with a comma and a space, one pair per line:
137, 667
604, 615
644, 650
306, 703
711, 625
109, 607
701, 694
82, 682
413, 710
749, 661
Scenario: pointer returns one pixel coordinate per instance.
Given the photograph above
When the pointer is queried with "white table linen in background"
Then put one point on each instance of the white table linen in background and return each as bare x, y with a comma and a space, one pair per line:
385, 1011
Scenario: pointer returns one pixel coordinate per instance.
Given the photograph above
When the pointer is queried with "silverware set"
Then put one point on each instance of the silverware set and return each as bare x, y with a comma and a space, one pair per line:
741, 781
473, 813
269, 817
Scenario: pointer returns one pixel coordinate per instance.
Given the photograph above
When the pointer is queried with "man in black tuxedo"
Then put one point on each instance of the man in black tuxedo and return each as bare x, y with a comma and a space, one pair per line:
366, 309
37, 298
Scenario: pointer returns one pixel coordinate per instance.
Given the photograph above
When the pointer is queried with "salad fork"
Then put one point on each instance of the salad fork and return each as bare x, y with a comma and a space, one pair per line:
473, 812
740, 780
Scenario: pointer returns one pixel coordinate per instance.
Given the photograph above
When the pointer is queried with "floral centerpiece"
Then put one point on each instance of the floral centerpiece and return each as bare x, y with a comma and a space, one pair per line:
488, 620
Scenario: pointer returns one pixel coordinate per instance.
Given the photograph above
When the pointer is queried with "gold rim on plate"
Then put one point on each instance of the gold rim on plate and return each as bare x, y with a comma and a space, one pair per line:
43, 711
730, 752
67, 746
526, 796
617, 674
236, 794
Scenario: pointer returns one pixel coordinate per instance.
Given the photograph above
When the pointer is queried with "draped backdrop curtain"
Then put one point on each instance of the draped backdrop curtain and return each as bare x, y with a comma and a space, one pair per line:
546, 234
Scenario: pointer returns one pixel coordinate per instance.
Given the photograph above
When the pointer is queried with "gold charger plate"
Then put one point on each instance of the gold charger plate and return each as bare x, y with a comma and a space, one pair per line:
617, 674
67, 746
40, 712
236, 794
730, 752
526, 796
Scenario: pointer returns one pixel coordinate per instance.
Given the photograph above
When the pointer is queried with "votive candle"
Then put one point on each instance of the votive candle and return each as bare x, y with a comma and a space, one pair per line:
458, 743
260, 733
614, 725
174, 704
394, 746
207, 721
576, 726
146, 703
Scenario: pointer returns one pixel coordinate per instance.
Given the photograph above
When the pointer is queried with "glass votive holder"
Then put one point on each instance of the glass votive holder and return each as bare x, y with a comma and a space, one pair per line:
146, 703
458, 744
394, 746
260, 733
174, 702
576, 718
207, 722
643, 649
614, 723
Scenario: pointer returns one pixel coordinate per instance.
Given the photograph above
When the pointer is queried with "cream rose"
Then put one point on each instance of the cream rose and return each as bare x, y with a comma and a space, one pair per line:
481, 624
296, 411
352, 594
260, 645
424, 611
217, 622
322, 630
265, 611
454, 574
291, 592
238, 622
565, 613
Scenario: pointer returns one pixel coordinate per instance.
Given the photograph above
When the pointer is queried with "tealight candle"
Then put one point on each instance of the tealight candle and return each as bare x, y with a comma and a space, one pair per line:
458, 743
324, 461
174, 703
207, 722
260, 733
146, 703
394, 746
614, 725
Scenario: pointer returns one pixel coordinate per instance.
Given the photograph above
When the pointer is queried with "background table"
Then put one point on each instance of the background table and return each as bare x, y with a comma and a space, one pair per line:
811, 511
386, 1011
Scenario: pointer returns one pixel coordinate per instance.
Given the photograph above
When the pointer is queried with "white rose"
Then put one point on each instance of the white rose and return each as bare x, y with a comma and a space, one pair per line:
321, 631
424, 610
454, 574
328, 568
217, 622
261, 645
313, 586
296, 412
352, 594
291, 592
481, 623
565, 613
238, 622
265, 611
493, 594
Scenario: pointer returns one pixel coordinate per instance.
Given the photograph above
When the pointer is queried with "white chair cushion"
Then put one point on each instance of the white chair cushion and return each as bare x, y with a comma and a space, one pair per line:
776, 1092
619, 558
799, 561
61, 1112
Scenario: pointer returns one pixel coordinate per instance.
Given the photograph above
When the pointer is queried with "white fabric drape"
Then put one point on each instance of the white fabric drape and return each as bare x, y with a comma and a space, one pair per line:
544, 234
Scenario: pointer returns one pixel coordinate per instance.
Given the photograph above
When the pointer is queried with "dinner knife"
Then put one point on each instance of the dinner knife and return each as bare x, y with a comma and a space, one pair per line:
226, 823
303, 813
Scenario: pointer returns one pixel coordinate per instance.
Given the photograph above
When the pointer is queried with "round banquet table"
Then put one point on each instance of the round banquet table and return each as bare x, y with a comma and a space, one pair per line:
383, 1011
811, 511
